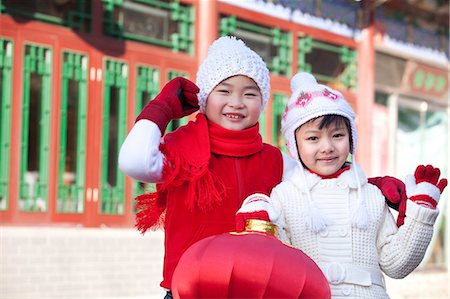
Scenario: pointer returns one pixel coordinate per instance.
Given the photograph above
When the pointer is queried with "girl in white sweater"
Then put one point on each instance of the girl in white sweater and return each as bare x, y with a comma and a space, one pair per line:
327, 208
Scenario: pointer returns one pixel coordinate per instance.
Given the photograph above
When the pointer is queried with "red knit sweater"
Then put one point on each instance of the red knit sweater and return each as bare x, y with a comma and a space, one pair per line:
241, 176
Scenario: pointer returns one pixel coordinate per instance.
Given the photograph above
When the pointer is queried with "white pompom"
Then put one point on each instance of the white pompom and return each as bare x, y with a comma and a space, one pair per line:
315, 221
360, 217
303, 81
224, 44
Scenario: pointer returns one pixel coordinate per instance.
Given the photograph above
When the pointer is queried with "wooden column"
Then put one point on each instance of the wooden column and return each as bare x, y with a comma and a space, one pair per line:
365, 95
207, 30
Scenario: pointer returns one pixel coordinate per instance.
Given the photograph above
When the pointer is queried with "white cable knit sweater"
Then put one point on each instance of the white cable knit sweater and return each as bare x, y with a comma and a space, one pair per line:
352, 259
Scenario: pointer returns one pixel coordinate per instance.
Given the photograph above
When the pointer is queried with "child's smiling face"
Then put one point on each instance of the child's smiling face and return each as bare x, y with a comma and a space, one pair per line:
323, 151
235, 103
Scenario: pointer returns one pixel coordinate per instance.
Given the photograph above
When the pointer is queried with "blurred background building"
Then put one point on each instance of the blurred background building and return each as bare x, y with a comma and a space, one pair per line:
74, 74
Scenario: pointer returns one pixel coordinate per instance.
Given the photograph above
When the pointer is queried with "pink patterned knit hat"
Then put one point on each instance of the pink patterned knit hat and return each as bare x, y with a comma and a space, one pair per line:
308, 101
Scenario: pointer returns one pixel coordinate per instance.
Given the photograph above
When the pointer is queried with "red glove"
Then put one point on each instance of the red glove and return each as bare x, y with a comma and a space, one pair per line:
255, 206
394, 191
423, 188
177, 99
241, 218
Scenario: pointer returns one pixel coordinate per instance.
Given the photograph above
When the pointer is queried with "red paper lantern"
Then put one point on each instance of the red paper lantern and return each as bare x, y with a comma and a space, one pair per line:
247, 265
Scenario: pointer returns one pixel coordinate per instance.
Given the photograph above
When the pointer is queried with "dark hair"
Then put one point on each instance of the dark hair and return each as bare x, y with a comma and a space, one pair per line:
337, 120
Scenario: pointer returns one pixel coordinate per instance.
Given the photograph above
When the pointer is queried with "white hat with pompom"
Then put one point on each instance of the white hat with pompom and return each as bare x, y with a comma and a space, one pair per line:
310, 100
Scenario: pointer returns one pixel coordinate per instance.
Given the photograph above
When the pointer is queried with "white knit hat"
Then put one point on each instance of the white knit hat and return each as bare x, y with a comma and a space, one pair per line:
308, 101
228, 57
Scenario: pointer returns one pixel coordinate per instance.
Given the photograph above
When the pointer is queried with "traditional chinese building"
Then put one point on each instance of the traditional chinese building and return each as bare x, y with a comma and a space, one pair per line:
74, 74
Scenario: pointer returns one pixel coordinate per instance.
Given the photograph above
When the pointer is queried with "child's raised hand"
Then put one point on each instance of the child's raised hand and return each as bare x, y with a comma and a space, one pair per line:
177, 99
256, 206
425, 188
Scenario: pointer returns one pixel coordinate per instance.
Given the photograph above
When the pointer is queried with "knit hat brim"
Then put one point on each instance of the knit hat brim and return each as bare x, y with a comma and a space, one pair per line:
228, 57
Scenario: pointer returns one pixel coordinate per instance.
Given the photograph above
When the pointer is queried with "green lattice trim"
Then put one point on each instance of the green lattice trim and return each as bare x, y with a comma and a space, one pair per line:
33, 192
183, 15
115, 103
6, 60
279, 64
347, 56
79, 18
71, 192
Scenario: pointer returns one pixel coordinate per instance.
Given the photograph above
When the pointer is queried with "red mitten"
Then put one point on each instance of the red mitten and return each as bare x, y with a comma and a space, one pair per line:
241, 218
424, 188
177, 99
255, 206
394, 191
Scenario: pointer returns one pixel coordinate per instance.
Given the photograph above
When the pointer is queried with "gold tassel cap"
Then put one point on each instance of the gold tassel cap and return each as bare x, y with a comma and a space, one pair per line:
261, 226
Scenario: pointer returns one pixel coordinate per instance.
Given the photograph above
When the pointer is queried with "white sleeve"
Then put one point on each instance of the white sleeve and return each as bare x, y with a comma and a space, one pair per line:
139, 156
402, 249
275, 199
289, 165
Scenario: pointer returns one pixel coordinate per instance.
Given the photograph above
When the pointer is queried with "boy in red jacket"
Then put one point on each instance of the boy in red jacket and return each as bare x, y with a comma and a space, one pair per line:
205, 169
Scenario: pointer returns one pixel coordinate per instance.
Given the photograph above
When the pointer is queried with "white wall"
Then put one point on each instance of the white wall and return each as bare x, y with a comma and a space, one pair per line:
44, 262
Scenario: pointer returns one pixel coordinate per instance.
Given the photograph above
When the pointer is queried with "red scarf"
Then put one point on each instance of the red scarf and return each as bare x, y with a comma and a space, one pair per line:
344, 168
187, 153
234, 143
